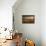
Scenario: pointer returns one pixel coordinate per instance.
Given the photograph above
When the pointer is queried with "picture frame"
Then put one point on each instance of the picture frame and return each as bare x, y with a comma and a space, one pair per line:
26, 19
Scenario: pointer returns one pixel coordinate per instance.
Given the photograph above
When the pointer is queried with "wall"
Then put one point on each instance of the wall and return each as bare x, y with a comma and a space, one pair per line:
6, 13
43, 22
28, 7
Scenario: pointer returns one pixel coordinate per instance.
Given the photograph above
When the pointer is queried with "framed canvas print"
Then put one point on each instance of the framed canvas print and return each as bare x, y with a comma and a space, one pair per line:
28, 19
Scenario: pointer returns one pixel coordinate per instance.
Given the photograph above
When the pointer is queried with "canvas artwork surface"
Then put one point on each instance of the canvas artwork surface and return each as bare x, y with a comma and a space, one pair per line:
28, 19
